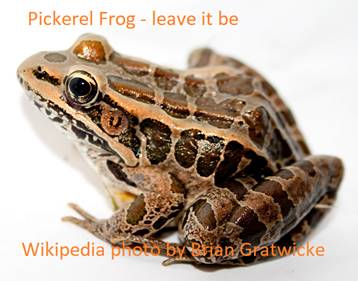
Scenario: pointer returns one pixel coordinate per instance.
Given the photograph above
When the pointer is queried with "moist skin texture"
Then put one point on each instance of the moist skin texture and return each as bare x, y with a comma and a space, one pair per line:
212, 149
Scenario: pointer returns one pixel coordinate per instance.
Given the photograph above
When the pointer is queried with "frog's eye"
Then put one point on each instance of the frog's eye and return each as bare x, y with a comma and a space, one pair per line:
81, 88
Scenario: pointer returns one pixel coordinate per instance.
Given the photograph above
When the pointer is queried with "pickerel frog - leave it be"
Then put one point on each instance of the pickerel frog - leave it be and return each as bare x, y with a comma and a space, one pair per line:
212, 149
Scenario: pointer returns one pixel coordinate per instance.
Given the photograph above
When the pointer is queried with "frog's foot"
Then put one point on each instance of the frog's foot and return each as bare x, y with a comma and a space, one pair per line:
98, 228
89, 222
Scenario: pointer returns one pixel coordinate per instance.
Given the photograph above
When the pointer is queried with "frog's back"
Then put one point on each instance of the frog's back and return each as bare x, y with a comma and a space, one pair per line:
225, 98
217, 118
220, 102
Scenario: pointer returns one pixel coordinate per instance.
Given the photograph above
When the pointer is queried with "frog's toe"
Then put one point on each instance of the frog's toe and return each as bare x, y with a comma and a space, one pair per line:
88, 222
174, 260
85, 224
82, 212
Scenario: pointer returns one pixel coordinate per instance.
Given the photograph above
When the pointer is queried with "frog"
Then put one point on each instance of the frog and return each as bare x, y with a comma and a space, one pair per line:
212, 151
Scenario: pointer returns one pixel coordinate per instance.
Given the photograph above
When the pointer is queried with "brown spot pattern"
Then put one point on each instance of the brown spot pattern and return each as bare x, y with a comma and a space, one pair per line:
257, 168
268, 89
274, 190
79, 133
205, 214
43, 75
129, 139
258, 122
158, 140
141, 232
160, 222
297, 188
165, 79
236, 187
194, 87
219, 115
265, 208
209, 156
132, 89
232, 157
175, 105
131, 66
278, 147
136, 211
284, 174
186, 147
202, 58
235, 85
253, 229
117, 172
306, 166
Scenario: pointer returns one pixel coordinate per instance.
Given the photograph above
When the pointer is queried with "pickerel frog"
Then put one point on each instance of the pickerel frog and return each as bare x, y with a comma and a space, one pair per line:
212, 149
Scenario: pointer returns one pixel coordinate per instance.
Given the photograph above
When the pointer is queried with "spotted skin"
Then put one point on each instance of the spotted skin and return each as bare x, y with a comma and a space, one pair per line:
266, 213
212, 149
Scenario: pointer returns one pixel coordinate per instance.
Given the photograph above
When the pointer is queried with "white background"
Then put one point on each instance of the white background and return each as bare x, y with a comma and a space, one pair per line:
307, 49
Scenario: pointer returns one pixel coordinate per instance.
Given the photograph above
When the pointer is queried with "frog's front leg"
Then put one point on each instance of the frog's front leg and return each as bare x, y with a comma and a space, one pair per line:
161, 200
261, 216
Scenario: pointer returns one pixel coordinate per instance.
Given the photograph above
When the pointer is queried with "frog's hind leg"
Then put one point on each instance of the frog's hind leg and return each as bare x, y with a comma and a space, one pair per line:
295, 237
292, 239
266, 213
300, 233
304, 228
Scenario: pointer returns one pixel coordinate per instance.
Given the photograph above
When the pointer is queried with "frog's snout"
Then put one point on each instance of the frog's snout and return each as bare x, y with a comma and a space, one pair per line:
41, 73
21, 74
25, 71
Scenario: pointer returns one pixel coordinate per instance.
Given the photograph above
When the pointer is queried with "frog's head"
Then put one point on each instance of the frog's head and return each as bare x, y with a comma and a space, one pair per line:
69, 86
